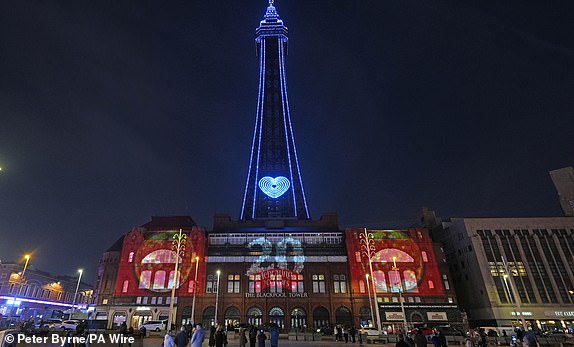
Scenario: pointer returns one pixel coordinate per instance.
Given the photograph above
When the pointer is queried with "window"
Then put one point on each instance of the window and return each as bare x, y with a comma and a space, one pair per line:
340, 284
318, 283
105, 302
145, 279
233, 281
211, 284
125, 286
153, 300
139, 300
254, 283
159, 280
191, 287
446, 285
425, 257
450, 300
297, 284
171, 279
431, 285
131, 257
358, 257
276, 283
362, 289
160, 300
144, 301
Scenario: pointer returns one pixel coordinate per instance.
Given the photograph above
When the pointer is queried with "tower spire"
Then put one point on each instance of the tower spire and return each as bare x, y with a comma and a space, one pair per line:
274, 187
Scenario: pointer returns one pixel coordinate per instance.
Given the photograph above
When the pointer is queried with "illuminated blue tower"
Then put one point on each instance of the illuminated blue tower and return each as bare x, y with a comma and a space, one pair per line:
274, 187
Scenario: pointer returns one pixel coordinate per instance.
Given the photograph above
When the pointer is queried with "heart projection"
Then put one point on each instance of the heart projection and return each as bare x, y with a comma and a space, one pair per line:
274, 187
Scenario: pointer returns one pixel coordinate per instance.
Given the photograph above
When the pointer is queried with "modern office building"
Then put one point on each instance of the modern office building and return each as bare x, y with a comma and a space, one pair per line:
564, 182
509, 269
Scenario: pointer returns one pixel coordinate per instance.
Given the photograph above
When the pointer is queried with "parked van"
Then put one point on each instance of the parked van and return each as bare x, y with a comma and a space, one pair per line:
154, 325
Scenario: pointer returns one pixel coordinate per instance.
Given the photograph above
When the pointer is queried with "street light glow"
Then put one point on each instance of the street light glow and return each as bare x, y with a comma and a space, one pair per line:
27, 256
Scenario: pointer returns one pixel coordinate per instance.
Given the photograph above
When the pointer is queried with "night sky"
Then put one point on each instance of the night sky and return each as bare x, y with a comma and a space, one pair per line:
114, 111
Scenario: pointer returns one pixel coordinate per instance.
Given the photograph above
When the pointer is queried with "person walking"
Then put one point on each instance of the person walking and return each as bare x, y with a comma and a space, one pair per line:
198, 336
353, 333
168, 340
274, 336
442, 339
346, 333
401, 342
181, 339
242, 337
212, 336
261, 338
220, 337
252, 336
420, 339
434, 339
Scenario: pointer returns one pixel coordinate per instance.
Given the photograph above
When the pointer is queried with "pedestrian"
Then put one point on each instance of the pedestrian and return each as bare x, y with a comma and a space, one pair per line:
353, 333
198, 336
346, 333
409, 340
274, 336
168, 340
469, 341
252, 336
401, 342
442, 339
434, 339
212, 336
336, 333
242, 337
261, 338
529, 340
220, 337
420, 339
143, 332
181, 339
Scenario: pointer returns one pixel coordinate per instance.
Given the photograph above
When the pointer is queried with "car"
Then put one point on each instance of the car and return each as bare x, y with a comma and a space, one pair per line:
52, 324
154, 325
558, 333
369, 331
70, 324
425, 330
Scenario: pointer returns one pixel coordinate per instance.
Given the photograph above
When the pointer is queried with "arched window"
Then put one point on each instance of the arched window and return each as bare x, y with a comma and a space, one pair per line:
161, 256
171, 276
424, 256
362, 287
232, 317
380, 283
254, 316
298, 318
159, 280
191, 286
320, 317
208, 316
410, 281
145, 279
125, 286
131, 257
277, 316
343, 316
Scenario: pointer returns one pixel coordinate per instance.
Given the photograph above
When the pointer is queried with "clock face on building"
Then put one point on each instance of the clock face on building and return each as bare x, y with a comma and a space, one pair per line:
274, 187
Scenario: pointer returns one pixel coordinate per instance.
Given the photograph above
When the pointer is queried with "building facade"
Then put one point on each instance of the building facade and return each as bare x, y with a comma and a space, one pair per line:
563, 180
274, 264
501, 264
40, 295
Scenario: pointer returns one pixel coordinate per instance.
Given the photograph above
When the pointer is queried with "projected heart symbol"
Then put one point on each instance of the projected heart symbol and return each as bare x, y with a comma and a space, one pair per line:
274, 187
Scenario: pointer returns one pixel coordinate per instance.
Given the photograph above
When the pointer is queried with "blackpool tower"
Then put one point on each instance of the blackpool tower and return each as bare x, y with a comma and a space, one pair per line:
274, 186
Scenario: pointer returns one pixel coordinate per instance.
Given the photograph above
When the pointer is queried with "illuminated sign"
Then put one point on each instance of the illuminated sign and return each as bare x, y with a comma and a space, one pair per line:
277, 295
440, 316
274, 187
394, 316
276, 268
523, 313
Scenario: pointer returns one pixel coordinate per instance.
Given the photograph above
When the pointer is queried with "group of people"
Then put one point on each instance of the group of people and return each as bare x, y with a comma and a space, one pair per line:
344, 332
257, 336
420, 340
182, 338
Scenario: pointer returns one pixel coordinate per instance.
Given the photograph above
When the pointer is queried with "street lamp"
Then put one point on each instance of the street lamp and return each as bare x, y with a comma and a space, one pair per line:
216, 297
516, 298
20, 282
368, 249
178, 246
400, 288
370, 302
76, 292
194, 291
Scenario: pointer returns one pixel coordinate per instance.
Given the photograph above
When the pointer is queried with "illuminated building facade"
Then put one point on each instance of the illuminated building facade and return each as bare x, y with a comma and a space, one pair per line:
274, 264
40, 294
539, 272
136, 275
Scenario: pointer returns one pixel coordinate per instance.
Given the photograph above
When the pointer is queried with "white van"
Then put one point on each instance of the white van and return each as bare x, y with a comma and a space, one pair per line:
154, 325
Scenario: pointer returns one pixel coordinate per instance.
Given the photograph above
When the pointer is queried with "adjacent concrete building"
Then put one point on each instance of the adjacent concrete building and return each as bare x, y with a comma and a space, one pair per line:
564, 182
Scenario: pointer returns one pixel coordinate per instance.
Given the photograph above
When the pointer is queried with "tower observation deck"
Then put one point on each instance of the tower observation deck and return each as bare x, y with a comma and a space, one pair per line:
274, 186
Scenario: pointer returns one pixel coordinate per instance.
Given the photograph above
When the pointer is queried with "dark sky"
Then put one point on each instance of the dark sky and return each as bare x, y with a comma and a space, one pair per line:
114, 111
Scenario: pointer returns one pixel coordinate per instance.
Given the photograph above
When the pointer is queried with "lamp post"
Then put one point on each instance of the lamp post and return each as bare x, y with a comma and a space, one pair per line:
368, 249
20, 282
516, 298
76, 292
216, 297
400, 288
194, 291
178, 246
370, 302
